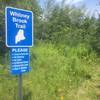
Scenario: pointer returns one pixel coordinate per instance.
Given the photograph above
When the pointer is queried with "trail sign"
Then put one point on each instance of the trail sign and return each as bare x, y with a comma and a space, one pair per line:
19, 27
19, 36
19, 60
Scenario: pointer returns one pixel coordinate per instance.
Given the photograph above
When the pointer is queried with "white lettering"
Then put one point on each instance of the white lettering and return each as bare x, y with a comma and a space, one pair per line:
21, 15
20, 50
19, 20
20, 26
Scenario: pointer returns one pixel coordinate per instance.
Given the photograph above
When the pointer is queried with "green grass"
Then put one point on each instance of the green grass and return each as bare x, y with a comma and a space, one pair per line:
57, 73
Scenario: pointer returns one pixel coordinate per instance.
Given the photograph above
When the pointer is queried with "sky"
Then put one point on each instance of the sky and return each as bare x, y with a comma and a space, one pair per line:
92, 5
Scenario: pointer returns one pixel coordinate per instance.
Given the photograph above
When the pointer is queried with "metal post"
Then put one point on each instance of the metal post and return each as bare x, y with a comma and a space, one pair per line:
20, 94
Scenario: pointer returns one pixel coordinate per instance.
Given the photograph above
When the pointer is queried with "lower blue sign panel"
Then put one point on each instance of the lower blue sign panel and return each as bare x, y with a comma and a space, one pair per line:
19, 60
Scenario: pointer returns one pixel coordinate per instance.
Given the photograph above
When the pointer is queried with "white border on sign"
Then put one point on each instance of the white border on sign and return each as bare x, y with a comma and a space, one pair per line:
6, 25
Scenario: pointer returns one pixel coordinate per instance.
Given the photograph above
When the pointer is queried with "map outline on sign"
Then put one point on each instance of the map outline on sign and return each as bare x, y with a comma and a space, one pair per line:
19, 36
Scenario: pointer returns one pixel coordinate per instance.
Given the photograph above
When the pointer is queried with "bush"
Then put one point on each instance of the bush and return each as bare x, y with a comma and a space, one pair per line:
53, 73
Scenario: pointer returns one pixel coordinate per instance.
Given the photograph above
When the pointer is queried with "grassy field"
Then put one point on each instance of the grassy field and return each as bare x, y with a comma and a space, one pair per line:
58, 73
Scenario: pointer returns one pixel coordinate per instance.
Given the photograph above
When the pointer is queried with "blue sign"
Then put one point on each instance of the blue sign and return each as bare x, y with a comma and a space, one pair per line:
19, 60
19, 27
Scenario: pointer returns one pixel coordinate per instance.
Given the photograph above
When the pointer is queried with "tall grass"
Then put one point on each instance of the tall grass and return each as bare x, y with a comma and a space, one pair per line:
55, 72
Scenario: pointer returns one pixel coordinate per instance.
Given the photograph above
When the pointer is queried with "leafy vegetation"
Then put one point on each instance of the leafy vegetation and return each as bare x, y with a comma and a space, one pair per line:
65, 58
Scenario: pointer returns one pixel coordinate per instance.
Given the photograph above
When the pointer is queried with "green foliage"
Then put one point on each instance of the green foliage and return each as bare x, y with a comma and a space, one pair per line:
54, 73
70, 26
63, 57
96, 40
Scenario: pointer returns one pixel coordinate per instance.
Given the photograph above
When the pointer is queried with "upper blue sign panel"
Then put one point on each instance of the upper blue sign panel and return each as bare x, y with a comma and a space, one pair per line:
19, 27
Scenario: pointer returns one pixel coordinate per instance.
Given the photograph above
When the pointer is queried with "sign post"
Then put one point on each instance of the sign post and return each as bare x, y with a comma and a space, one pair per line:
19, 37
20, 92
